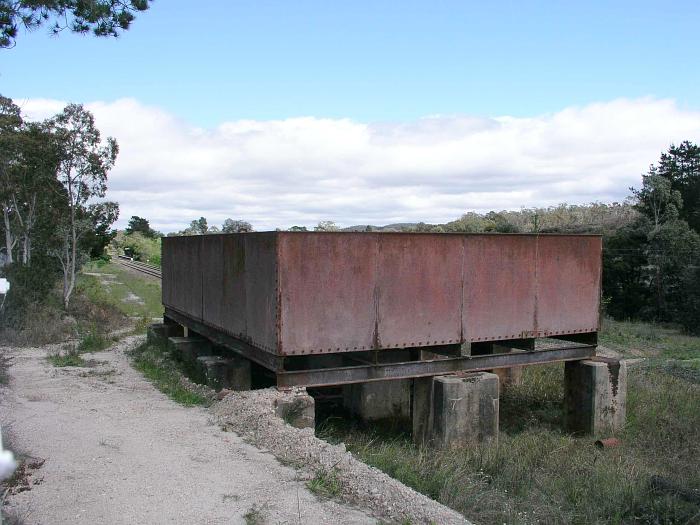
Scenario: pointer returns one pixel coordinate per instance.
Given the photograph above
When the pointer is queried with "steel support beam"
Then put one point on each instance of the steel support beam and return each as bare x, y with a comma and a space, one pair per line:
216, 336
382, 372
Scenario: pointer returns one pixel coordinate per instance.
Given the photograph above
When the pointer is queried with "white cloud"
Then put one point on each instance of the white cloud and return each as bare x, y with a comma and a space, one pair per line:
302, 170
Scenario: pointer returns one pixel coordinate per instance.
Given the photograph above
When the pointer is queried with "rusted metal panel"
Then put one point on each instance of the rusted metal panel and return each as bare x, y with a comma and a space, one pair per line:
261, 290
212, 268
184, 275
233, 285
327, 292
568, 284
499, 287
419, 290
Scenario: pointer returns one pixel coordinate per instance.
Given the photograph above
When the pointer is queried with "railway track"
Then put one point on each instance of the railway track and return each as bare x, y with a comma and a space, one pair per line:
141, 267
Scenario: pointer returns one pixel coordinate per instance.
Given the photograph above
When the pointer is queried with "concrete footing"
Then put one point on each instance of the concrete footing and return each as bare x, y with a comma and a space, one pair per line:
232, 373
456, 410
379, 400
507, 376
188, 349
595, 396
158, 333
297, 408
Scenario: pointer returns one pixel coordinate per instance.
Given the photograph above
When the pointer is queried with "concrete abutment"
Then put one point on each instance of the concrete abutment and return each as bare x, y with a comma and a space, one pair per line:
456, 410
595, 396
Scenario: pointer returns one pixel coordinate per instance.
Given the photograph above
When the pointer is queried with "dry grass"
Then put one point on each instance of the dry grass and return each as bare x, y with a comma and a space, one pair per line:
539, 474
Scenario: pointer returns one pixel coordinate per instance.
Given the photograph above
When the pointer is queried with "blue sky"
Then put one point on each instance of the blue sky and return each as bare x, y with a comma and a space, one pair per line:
373, 111
370, 61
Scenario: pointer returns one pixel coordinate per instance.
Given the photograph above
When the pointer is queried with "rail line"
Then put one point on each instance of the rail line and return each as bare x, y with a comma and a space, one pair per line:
142, 267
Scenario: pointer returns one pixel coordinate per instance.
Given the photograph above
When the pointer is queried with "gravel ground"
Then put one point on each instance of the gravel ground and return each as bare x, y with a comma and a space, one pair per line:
117, 451
251, 414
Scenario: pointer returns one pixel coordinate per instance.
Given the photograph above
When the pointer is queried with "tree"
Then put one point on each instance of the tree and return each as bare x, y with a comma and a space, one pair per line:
231, 226
101, 17
101, 216
298, 229
139, 224
326, 226
10, 125
681, 167
82, 170
657, 199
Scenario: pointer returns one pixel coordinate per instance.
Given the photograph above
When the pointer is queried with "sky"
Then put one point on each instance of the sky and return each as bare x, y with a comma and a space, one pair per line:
284, 113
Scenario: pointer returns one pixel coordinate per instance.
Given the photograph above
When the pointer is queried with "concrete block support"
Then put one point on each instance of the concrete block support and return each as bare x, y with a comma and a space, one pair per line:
508, 376
456, 410
158, 333
188, 349
595, 395
232, 373
379, 400
297, 408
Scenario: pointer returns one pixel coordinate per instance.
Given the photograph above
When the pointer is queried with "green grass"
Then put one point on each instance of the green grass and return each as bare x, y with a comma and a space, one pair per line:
156, 365
254, 516
118, 289
539, 474
325, 483
69, 356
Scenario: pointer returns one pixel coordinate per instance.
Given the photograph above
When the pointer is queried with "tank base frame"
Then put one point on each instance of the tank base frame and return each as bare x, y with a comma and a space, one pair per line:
388, 364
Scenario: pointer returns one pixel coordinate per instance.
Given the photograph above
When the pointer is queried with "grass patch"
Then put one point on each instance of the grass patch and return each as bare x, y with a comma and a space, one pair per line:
254, 516
539, 474
325, 483
649, 340
131, 294
69, 356
5, 363
156, 365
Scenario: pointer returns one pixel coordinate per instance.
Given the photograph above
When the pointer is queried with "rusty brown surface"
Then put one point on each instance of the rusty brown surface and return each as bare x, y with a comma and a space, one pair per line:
327, 301
499, 287
309, 293
418, 287
568, 284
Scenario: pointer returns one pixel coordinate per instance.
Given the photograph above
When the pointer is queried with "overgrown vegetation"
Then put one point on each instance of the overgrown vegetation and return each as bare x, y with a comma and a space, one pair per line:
539, 474
51, 175
154, 362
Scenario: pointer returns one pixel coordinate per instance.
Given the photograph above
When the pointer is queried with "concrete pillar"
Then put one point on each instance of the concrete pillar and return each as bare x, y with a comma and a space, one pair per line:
232, 373
158, 333
507, 376
379, 399
297, 408
188, 349
595, 395
463, 410
422, 410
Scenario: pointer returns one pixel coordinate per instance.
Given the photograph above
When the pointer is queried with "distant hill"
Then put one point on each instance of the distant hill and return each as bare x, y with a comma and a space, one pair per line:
399, 226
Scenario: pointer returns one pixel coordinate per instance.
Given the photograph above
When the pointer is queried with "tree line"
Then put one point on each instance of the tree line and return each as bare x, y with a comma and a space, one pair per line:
52, 176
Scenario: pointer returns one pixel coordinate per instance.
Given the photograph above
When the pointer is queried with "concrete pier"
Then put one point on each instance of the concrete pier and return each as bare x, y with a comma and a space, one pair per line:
456, 410
297, 408
188, 349
232, 373
158, 333
595, 396
379, 400
507, 376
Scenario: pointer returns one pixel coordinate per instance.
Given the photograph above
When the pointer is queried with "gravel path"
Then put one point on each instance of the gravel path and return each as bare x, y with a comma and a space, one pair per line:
118, 451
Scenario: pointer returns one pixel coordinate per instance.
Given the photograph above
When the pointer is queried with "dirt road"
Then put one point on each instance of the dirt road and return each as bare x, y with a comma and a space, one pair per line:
117, 451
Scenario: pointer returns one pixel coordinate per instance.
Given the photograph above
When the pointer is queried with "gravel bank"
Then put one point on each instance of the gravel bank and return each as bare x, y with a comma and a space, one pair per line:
251, 414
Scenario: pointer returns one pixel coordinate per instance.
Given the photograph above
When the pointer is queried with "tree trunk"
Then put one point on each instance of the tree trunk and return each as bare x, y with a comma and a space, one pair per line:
9, 243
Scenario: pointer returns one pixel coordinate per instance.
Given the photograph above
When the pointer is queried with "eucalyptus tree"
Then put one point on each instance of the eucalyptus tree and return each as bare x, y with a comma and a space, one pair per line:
84, 162
10, 126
